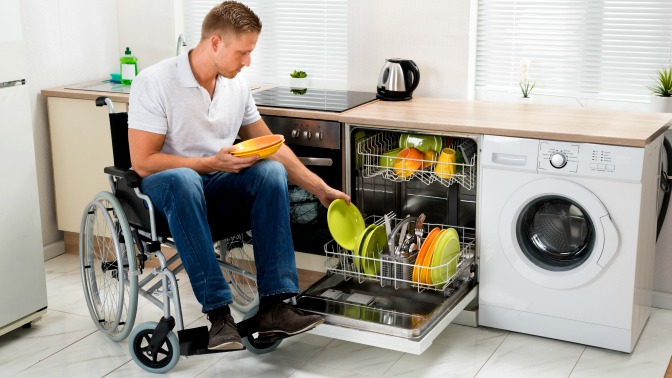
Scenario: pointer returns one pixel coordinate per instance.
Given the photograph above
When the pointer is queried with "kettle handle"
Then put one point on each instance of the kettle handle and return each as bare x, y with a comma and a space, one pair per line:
409, 65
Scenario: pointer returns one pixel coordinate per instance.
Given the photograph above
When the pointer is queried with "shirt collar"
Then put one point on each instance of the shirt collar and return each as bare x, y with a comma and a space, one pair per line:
184, 71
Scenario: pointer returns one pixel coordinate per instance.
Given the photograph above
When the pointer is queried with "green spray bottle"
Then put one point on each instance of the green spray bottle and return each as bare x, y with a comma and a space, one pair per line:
129, 67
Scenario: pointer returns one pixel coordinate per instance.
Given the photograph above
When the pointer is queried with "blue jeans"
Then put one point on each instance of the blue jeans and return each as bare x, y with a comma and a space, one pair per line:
192, 203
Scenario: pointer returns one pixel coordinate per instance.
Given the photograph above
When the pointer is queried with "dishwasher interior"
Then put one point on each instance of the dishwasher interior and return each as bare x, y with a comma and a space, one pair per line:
396, 288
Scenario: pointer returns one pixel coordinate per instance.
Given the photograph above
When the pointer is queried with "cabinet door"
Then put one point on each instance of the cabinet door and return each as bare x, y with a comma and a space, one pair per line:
81, 148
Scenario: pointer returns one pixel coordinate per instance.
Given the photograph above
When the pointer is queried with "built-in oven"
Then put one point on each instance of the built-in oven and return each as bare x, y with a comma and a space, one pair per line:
317, 144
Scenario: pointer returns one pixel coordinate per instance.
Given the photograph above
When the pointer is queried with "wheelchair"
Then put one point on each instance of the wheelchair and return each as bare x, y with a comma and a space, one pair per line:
119, 233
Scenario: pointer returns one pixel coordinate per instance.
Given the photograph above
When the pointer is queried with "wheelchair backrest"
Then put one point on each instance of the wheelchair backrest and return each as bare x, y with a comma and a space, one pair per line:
119, 131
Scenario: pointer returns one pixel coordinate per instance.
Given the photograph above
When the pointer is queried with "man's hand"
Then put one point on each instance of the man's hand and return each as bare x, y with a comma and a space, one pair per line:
225, 162
329, 194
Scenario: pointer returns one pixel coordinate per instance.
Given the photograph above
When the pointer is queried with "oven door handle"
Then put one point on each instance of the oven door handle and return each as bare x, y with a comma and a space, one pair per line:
323, 162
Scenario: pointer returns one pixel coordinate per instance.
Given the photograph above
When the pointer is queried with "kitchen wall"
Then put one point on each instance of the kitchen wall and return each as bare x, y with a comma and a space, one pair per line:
433, 33
67, 41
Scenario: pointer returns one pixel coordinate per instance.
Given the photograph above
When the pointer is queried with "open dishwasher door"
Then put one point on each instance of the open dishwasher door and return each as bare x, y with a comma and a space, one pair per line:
391, 295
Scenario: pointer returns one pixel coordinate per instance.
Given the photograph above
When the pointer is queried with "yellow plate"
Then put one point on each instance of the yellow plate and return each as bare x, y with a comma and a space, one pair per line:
444, 261
345, 223
374, 243
359, 243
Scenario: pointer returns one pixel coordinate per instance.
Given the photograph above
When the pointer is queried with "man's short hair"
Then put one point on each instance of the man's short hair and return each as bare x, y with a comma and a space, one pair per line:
230, 17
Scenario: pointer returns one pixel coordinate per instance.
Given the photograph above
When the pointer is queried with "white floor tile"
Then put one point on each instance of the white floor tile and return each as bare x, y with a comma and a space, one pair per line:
249, 365
458, 352
356, 358
60, 265
23, 348
317, 371
530, 356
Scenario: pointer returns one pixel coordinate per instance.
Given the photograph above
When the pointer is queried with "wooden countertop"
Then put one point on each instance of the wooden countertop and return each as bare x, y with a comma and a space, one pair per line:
571, 124
517, 120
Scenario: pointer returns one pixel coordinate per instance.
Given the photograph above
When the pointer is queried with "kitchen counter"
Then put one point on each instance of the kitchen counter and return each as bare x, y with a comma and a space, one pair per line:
82, 94
570, 124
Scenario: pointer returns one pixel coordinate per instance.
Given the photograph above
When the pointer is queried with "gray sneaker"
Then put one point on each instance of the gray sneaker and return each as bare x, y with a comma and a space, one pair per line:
283, 318
224, 335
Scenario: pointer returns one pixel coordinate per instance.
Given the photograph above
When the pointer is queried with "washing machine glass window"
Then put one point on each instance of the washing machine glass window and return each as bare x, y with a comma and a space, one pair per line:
555, 233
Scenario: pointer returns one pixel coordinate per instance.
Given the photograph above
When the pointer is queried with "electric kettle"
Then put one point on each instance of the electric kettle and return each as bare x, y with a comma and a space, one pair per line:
398, 80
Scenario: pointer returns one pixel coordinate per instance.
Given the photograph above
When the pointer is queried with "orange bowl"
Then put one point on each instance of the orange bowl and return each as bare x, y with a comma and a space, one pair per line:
263, 153
407, 162
249, 146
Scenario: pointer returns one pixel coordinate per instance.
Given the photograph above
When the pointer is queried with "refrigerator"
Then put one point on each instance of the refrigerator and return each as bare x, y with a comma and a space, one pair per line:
23, 293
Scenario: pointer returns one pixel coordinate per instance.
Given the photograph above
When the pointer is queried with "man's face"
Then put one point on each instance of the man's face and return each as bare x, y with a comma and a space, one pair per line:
232, 53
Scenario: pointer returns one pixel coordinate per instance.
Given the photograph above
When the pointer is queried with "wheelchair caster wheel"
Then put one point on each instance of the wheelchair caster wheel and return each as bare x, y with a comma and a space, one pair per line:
253, 344
161, 361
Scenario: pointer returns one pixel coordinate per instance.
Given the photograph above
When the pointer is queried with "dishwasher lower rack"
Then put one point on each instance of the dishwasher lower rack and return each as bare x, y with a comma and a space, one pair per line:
405, 273
372, 151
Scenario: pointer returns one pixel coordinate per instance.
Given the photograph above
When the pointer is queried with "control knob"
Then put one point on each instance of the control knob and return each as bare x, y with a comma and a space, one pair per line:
558, 159
307, 134
319, 135
296, 133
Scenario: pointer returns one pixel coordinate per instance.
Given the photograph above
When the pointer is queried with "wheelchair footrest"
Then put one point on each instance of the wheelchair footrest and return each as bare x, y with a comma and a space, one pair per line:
194, 341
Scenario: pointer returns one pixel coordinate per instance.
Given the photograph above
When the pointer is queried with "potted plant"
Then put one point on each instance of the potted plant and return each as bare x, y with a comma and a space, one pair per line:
298, 80
661, 98
526, 86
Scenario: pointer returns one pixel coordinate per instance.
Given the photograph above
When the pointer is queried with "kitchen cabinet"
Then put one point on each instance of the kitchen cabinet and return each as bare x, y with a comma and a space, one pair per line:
81, 147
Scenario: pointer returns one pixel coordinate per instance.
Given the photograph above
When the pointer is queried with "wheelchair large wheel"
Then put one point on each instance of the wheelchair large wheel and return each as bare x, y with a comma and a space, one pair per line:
255, 345
108, 266
160, 361
239, 270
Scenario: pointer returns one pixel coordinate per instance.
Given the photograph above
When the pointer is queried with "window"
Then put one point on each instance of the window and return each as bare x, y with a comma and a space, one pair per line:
306, 35
581, 49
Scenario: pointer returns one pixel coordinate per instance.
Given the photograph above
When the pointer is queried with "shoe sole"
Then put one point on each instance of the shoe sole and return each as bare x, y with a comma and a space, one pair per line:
307, 328
228, 346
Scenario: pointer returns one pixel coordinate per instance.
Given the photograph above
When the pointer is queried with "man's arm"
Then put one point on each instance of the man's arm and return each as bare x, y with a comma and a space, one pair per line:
297, 173
147, 158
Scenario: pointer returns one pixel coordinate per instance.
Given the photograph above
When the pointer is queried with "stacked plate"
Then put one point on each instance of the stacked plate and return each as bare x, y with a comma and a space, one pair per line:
264, 146
438, 257
346, 225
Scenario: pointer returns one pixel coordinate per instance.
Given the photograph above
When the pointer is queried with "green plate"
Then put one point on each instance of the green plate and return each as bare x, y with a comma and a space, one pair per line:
444, 261
358, 247
374, 243
345, 223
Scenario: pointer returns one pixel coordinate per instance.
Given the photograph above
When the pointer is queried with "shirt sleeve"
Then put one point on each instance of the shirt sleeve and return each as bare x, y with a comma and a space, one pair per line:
251, 112
146, 110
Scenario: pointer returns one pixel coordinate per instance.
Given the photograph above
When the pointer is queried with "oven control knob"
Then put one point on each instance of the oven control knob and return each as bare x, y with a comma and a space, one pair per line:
319, 135
307, 134
296, 133
558, 159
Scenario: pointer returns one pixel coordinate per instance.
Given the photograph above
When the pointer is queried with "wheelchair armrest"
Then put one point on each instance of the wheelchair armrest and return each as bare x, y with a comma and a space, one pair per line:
129, 175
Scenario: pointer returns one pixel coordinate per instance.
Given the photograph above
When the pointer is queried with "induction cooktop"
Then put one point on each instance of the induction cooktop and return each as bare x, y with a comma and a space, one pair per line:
312, 99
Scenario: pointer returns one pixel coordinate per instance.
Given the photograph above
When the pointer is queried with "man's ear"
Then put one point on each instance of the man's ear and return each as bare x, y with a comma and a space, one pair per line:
216, 42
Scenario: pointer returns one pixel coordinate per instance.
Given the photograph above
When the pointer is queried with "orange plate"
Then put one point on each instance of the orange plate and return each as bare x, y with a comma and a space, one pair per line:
423, 251
257, 144
425, 272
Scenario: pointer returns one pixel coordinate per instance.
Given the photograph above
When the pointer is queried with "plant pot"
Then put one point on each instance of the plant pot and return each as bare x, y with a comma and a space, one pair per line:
298, 83
661, 104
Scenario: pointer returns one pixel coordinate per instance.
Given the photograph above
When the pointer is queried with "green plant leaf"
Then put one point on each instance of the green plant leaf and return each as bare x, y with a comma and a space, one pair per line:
663, 85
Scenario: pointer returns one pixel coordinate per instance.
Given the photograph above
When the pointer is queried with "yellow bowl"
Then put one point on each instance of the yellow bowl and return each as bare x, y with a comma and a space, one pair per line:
255, 145
264, 153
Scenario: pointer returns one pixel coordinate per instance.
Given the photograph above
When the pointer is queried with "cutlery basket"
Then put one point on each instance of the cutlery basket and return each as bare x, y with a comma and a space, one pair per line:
396, 270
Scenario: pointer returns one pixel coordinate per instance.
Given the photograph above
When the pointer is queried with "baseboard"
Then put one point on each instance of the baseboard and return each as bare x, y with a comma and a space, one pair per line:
54, 249
661, 300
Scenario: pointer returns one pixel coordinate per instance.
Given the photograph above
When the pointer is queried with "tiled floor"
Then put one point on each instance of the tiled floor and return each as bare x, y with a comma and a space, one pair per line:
65, 343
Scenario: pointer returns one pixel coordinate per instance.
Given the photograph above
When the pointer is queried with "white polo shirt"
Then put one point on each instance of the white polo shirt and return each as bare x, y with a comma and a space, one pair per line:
166, 99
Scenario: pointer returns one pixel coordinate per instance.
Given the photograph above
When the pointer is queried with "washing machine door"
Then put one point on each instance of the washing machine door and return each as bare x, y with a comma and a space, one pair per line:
557, 233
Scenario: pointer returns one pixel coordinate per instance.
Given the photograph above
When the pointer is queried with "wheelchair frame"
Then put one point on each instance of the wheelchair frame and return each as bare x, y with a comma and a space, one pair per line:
111, 288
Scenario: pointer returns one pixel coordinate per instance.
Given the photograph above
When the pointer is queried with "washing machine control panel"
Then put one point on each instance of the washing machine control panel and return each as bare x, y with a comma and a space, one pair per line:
592, 160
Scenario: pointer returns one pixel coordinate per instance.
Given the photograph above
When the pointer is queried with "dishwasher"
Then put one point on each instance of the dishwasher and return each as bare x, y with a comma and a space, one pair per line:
390, 305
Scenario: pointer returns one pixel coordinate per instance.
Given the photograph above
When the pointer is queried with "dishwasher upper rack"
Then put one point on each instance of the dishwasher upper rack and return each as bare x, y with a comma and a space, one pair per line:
372, 148
341, 261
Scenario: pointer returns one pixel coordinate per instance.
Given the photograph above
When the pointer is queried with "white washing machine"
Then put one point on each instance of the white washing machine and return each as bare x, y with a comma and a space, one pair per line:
567, 239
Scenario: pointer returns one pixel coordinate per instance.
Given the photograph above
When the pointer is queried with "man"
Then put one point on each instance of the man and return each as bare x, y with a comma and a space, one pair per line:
184, 115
